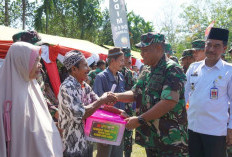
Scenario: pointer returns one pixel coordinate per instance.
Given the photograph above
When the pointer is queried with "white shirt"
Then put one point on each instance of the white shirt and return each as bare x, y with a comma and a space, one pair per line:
206, 115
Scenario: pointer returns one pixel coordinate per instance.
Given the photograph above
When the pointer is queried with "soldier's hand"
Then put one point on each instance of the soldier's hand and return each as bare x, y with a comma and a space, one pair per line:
132, 123
229, 137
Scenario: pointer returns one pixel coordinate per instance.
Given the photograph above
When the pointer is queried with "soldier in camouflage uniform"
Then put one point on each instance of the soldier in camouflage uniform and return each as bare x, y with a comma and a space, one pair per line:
199, 50
187, 59
169, 53
162, 120
101, 65
129, 82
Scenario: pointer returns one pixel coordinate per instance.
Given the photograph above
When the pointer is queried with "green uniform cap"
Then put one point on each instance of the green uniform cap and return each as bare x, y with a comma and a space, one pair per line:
168, 49
186, 53
126, 51
230, 50
27, 36
150, 38
198, 44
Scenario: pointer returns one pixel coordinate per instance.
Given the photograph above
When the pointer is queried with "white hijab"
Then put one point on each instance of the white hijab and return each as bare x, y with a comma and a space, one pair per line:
33, 132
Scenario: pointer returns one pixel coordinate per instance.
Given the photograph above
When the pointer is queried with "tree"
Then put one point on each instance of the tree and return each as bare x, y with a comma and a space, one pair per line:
6, 21
105, 33
138, 26
24, 13
196, 18
46, 8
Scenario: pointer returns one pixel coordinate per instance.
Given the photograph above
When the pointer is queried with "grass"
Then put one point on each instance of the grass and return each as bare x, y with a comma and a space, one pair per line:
137, 150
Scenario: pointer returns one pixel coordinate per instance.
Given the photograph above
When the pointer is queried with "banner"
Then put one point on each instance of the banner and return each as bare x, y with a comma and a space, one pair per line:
119, 25
208, 29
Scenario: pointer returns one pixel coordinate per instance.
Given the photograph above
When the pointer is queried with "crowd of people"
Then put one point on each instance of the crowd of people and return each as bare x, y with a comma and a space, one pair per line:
177, 109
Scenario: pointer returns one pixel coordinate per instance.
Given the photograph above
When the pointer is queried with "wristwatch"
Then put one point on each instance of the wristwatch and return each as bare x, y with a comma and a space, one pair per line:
141, 120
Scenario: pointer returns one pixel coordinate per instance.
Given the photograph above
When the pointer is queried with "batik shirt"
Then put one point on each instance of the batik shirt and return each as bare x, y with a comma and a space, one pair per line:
72, 99
165, 81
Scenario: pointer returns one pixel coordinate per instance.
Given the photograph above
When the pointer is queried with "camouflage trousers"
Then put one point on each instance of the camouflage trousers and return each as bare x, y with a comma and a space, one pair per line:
229, 151
154, 152
128, 134
127, 142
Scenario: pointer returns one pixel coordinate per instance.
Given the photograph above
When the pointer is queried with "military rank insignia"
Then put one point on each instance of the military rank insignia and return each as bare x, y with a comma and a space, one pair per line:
194, 74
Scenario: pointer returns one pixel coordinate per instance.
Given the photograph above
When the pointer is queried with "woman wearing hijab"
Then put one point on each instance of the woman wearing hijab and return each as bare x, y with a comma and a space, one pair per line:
26, 128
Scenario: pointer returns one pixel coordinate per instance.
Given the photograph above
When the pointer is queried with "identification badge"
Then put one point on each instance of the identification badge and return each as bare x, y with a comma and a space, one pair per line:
214, 93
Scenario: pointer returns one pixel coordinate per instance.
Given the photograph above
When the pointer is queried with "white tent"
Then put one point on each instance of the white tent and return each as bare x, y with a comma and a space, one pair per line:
7, 33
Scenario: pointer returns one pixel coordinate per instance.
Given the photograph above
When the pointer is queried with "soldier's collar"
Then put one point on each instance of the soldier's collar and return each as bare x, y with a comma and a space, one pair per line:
161, 63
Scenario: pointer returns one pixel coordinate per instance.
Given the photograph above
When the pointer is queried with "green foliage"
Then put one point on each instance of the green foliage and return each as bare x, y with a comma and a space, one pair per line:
105, 34
83, 19
198, 16
1, 13
137, 26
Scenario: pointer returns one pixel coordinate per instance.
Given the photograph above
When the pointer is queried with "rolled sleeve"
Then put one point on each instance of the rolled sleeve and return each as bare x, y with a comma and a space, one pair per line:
173, 84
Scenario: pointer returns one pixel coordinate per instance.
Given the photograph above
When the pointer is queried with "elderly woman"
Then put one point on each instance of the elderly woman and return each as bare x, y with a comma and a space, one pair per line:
77, 102
32, 131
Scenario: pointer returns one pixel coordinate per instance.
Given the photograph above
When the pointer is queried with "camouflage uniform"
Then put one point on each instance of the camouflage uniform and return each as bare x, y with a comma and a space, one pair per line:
168, 50
166, 136
50, 98
92, 74
129, 82
186, 53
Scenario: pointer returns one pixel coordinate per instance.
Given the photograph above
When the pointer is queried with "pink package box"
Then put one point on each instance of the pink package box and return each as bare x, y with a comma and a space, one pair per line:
105, 127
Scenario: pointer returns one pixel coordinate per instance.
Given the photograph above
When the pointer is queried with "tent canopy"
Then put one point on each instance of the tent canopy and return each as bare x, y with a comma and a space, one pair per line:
7, 33
58, 46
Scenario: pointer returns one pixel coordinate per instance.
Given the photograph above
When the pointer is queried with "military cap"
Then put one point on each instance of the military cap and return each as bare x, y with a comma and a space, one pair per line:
168, 49
223, 54
174, 58
27, 36
186, 53
150, 38
230, 50
218, 34
126, 51
198, 44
